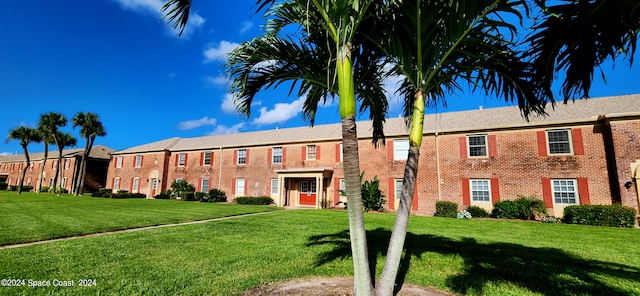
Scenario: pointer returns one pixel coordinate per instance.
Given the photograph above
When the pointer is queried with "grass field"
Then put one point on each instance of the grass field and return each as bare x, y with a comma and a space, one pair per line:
32, 217
472, 257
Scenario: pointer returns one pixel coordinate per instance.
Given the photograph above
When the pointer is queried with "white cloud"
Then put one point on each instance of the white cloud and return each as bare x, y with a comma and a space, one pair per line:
281, 112
216, 80
154, 8
221, 129
219, 53
245, 27
191, 124
6, 153
228, 104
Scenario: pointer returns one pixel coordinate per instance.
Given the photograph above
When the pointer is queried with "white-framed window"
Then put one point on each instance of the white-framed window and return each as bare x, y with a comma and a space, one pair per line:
204, 185
565, 192
274, 186
28, 181
182, 157
20, 167
51, 182
138, 161
559, 141
400, 149
136, 185
9, 182
67, 162
477, 145
398, 189
31, 166
343, 188
12, 166
276, 156
242, 156
311, 152
119, 162
239, 187
64, 182
313, 188
116, 183
480, 190
55, 164
341, 153
206, 158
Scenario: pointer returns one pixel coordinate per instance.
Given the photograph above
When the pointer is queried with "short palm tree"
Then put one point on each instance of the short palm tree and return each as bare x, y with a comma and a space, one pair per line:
64, 140
25, 135
90, 128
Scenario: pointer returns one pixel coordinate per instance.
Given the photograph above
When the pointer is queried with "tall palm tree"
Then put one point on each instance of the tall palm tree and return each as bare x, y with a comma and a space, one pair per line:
25, 135
327, 57
49, 124
47, 139
90, 128
64, 140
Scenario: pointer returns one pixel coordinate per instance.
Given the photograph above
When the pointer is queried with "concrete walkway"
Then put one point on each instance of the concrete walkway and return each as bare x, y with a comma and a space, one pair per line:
131, 230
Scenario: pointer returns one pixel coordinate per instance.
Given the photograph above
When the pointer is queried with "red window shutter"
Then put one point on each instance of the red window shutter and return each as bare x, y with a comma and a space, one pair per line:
583, 191
337, 152
284, 155
269, 155
177, 154
201, 158
493, 146
304, 152
414, 202
113, 182
235, 156
133, 163
233, 186
336, 190
318, 152
542, 143
131, 186
463, 147
546, 192
141, 159
186, 156
247, 158
466, 194
392, 191
578, 146
390, 152
495, 190
199, 184
115, 161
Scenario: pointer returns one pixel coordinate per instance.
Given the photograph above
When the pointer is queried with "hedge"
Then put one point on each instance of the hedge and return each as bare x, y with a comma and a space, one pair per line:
249, 200
600, 215
446, 209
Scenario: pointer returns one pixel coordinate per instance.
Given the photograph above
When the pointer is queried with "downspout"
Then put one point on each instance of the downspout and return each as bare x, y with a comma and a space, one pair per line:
220, 169
438, 168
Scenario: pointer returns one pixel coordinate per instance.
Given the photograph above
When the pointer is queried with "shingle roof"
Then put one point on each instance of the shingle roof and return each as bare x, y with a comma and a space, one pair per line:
97, 152
450, 122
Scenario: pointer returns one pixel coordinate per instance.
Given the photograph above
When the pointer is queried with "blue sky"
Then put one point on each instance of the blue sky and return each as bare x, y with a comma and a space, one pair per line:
118, 59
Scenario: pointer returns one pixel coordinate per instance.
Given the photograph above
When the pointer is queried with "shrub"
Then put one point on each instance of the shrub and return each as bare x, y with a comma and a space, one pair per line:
178, 187
550, 219
163, 195
600, 215
122, 191
463, 214
217, 195
125, 194
506, 209
372, 197
187, 196
249, 200
446, 209
202, 196
44, 189
477, 212
530, 206
102, 192
27, 188
4, 186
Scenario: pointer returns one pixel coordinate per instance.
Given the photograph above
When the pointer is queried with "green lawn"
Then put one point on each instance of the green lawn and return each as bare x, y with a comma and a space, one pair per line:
32, 217
473, 257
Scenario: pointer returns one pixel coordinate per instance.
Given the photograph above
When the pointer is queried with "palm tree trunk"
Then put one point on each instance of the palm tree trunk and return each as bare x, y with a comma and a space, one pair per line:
44, 163
83, 166
399, 234
58, 173
24, 170
361, 272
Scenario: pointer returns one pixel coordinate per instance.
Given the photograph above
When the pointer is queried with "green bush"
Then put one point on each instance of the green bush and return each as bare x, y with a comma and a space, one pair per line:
25, 188
126, 194
187, 196
600, 215
202, 196
529, 206
446, 209
4, 186
249, 200
163, 195
506, 209
102, 192
477, 212
178, 187
44, 189
372, 197
217, 195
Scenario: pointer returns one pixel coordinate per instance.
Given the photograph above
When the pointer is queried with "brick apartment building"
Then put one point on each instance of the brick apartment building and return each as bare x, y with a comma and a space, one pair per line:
97, 163
582, 153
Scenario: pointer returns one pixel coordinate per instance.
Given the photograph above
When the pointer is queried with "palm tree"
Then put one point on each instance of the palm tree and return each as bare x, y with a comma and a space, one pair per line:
47, 139
64, 140
49, 124
90, 128
327, 57
25, 135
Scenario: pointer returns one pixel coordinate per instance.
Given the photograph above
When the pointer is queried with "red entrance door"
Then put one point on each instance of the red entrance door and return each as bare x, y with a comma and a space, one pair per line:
308, 192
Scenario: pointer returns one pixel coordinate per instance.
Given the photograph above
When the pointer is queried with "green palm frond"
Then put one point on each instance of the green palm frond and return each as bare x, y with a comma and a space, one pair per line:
177, 12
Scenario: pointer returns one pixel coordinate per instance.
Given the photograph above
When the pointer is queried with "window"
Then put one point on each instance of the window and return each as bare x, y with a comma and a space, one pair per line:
181, 159
204, 185
55, 164
116, 184
138, 161
311, 152
51, 182
31, 166
66, 164
399, 183
206, 158
313, 186
20, 167
274, 186
136, 185
477, 146
28, 181
480, 191
239, 187
9, 182
18, 182
64, 182
242, 156
343, 188
559, 142
119, 162
565, 192
400, 149
12, 166
341, 156
277, 155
